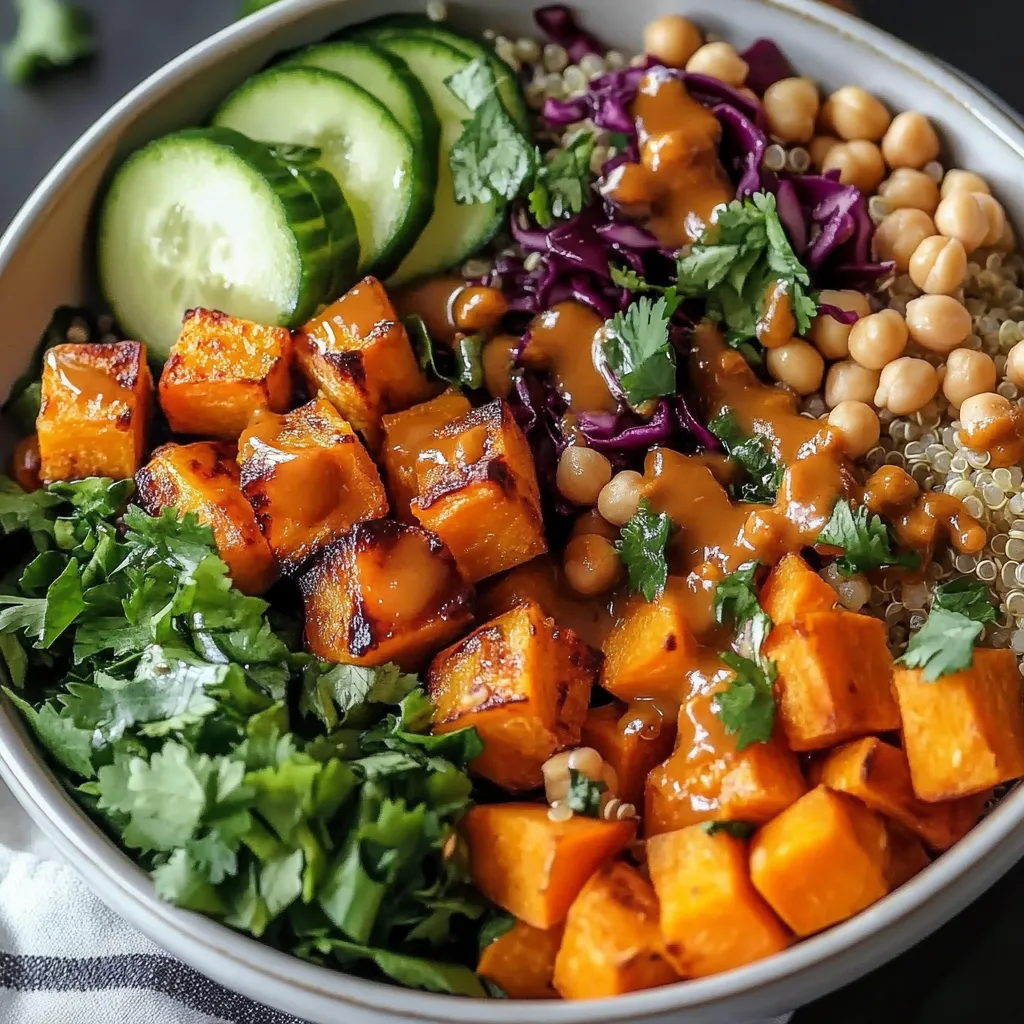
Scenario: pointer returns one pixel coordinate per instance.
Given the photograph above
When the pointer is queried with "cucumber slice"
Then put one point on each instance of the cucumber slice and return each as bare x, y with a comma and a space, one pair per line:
390, 26
206, 217
455, 231
381, 175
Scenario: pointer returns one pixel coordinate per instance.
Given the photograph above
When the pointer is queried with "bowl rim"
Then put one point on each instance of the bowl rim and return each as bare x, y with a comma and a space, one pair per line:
246, 964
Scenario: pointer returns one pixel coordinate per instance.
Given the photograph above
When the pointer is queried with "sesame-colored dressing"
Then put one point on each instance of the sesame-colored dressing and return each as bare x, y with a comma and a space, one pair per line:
78, 372
408, 597
777, 324
1001, 436
449, 305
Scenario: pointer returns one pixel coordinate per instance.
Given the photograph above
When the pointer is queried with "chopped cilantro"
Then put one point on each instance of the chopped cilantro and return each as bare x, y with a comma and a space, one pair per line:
737, 829
642, 545
639, 352
754, 454
736, 599
967, 597
50, 34
561, 187
864, 539
747, 706
467, 369
585, 794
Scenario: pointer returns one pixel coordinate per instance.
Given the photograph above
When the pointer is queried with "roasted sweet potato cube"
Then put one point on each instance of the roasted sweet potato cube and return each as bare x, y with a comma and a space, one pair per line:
478, 492
385, 591
793, 589
612, 944
204, 478
964, 733
821, 860
535, 867
524, 683
221, 370
632, 744
712, 918
522, 961
878, 775
907, 856
835, 678
308, 478
358, 353
95, 410
405, 435
651, 646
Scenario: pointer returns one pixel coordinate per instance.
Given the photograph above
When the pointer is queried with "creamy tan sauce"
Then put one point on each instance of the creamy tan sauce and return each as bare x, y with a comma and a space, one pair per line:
450, 306
78, 373
1001, 436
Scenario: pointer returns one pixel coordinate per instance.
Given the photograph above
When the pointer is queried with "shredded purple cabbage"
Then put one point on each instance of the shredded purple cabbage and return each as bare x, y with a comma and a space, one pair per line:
767, 65
560, 25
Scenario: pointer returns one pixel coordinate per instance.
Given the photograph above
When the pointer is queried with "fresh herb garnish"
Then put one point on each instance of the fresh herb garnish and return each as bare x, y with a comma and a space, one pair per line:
754, 454
585, 794
642, 545
738, 261
490, 157
467, 369
864, 539
966, 597
639, 352
747, 706
736, 599
50, 34
737, 829
561, 187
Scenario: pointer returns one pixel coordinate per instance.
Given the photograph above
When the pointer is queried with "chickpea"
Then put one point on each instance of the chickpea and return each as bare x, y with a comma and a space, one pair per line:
1008, 241
855, 114
899, 234
960, 215
721, 61
797, 365
672, 39
592, 565
1014, 365
968, 373
858, 427
581, 474
859, 164
995, 216
479, 308
956, 180
850, 382
592, 521
906, 385
938, 322
878, 339
939, 265
910, 141
906, 188
791, 106
830, 337
820, 147
620, 497
981, 410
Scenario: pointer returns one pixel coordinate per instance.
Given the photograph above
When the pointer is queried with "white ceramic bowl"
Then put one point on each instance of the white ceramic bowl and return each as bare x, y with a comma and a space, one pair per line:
45, 260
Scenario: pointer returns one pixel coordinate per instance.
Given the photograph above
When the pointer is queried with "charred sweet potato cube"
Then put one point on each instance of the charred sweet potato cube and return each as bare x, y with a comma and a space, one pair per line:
405, 435
793, 589
878, 775
95, 410
385, 591
522, 961
358, 353
632, 748
835, 678
712, 918
524, 683
821, 860
612, 943
204, 478
308, 478
532, 866
907, 856
478, 492
221, 370
964, 733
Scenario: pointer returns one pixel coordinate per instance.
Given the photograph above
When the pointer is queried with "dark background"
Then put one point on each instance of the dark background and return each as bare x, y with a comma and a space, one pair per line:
968, 972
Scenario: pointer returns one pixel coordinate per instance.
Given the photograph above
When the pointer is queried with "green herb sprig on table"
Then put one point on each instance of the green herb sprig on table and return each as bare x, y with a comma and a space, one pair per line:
50, 34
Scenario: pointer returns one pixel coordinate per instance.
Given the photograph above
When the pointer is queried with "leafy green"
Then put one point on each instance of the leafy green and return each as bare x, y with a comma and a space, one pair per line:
585, 794
50, 34
561, 186
736, 829
864, 539
466, 355
638, 349
763, 471
967, 597
736, 599
747, 706
642, 542
491, 157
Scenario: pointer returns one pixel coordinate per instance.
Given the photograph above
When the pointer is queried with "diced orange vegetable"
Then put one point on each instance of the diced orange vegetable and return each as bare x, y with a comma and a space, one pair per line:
906, 855
524, 683
221, 370
612, 944
835, 678
386, 591
358, 353
821, 860
712, 918
532, 866
203, 478
405, 435
631, 754
522, 961
308, 478
94, 414
964, 733
793, 589
478, 492
878, 775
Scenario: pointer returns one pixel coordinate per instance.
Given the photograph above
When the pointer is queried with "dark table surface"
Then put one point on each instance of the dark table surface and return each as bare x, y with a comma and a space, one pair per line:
967, 971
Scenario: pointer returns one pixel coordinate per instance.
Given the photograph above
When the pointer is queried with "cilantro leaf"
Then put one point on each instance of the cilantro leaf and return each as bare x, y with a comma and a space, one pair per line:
641, 544
638, 350
754, 454
466, 355
50, 34
561, 186
864, 539
736, 598
967, 597
585, 794
736, 829
747, 706
944, 644
63, 740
